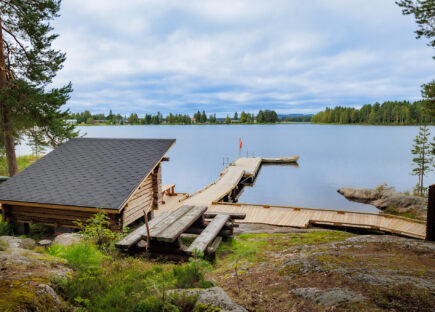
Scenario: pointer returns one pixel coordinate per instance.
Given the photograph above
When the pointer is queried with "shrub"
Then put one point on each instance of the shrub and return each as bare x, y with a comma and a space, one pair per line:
97, 231
5, 228
191, 274
83, 257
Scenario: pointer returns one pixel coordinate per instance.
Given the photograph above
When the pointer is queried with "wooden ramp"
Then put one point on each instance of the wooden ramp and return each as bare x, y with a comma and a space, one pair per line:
227, 182
303, 217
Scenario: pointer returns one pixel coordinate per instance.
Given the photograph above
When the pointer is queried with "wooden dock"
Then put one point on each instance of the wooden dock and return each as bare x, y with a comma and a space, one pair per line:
247, 168
303, 217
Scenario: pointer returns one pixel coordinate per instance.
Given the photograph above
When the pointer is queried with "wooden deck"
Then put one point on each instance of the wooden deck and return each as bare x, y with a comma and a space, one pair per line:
303, 217
243, 168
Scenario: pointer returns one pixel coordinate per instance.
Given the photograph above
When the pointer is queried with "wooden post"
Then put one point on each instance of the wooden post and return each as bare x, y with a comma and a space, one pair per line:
430, 222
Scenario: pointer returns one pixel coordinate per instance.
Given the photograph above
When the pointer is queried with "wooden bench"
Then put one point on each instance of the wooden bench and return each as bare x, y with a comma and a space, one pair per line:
168, 189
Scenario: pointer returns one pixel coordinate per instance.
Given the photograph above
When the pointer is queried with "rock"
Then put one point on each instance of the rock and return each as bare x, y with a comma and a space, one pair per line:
142, 244
11, 241
28, 243
363, 194
68, 239
44, 243
215, 297
329, 297
45, 289
386, 198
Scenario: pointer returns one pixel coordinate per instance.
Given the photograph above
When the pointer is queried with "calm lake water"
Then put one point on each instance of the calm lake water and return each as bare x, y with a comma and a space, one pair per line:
331, 157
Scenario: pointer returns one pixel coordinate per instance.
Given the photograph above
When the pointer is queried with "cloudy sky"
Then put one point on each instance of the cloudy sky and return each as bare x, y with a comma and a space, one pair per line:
225, 56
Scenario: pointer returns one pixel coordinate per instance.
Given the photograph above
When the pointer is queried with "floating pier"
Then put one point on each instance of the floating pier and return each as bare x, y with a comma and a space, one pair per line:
218, 196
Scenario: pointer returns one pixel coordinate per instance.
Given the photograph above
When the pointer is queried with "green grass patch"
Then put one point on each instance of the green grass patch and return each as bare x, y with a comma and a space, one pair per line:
127, 284
22, 162
407, 214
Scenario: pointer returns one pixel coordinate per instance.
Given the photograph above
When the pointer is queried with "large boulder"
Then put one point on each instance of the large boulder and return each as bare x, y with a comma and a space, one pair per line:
68, 239
215, 297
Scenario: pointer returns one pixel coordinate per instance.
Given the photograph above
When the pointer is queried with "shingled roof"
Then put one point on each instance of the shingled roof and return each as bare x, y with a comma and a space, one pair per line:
87, 172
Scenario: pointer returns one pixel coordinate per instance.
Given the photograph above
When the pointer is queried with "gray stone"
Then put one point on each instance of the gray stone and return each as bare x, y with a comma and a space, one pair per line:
215, 297
68, 239
45, 289
387, 197
142, 244
329, 297
11, 241
44, 243
28, 243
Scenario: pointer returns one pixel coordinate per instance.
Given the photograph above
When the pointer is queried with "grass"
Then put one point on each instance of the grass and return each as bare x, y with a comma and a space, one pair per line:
105, 283
22, 162
410, 214
5, 228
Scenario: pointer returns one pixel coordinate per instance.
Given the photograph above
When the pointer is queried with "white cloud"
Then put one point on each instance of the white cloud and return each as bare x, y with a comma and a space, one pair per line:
226, 55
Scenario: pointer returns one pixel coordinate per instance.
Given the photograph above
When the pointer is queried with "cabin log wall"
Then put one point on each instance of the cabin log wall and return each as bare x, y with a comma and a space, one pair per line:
142, 199
51, 216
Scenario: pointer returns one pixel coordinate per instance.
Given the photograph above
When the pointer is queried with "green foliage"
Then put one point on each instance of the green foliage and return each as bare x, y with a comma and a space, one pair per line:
200, 307
423, 159
397, 112
5, 228
83, 257
131, 284
267, 116
424, 13
191, 274
97, 230
22, 162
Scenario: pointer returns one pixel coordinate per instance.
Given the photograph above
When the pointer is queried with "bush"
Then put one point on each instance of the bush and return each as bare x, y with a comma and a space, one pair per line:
191, 274
83, 257
97, 231
5, 228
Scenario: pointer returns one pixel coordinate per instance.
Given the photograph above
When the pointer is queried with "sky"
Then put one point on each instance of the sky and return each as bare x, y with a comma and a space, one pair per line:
146, 56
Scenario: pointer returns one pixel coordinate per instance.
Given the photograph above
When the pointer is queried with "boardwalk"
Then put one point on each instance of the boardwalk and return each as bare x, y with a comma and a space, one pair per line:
303, 217
227, 182
244, 168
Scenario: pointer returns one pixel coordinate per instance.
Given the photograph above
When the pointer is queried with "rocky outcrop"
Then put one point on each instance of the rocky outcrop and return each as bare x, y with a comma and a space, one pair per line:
25, 277
329, 297
214, 297
387, 198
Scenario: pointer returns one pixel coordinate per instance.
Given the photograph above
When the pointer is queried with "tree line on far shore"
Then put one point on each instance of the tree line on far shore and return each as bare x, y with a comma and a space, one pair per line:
263, 116
390, 112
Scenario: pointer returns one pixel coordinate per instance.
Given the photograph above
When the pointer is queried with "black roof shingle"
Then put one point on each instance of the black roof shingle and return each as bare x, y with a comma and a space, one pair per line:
87, 172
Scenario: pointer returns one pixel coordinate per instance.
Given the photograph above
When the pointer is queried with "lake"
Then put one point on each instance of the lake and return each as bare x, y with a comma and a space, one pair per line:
331, 156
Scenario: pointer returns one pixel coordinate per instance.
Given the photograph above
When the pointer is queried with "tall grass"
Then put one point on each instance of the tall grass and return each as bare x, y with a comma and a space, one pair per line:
5, 228
22, 162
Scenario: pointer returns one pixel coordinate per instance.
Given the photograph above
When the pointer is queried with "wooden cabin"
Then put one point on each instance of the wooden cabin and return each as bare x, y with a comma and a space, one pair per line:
119, 176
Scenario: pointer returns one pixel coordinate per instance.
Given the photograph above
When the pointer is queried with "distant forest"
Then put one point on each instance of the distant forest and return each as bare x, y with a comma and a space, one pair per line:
86, 117
388, 113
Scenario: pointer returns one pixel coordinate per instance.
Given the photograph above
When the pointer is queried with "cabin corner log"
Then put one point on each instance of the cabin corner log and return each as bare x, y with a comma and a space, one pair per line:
430, 221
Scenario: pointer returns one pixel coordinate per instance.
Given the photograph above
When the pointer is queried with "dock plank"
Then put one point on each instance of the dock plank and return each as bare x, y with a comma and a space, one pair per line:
209, 233
170, 233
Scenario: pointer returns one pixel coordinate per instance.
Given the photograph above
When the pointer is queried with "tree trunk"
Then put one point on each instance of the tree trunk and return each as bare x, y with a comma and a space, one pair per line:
4, 112
430, 221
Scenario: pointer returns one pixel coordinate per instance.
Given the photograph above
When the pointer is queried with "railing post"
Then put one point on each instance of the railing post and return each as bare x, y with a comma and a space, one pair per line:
430, 222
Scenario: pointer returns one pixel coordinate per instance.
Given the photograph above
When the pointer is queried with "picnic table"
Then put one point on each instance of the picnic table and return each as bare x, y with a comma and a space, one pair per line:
166, 230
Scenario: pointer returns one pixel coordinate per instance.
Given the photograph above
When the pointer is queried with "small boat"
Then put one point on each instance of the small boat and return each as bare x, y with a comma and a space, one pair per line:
281, 160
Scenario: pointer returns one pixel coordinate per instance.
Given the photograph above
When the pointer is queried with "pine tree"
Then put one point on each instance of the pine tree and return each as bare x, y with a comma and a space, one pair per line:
27, 66
228, 120
423, 156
